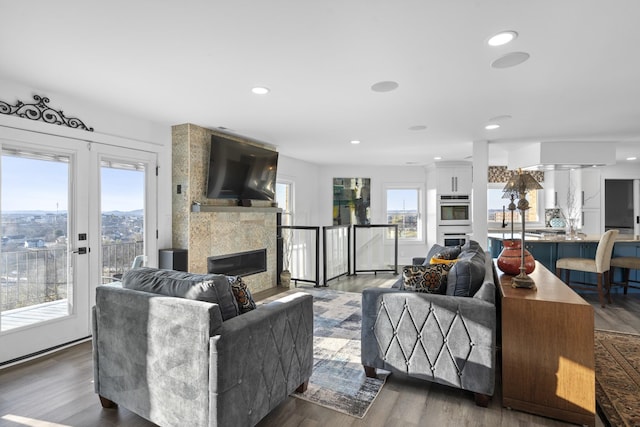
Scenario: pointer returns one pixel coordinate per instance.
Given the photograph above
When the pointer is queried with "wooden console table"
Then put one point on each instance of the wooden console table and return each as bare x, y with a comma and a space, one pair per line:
547, 349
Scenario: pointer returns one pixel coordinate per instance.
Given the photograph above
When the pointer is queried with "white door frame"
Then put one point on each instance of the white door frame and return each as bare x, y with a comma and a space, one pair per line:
101, 152
84, 178
18, 342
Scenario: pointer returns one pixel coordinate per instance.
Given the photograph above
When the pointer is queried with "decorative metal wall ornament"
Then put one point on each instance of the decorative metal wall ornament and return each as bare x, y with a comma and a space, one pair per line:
42, 112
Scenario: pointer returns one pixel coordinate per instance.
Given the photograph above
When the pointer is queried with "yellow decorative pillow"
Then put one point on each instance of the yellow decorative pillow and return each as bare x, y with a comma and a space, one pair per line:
435, 260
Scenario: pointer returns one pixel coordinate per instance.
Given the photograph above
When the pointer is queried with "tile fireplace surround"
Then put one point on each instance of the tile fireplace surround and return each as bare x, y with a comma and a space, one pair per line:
220, 227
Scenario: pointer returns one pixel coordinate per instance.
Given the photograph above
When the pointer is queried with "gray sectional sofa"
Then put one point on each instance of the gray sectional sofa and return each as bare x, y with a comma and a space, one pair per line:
182, 349
446, 334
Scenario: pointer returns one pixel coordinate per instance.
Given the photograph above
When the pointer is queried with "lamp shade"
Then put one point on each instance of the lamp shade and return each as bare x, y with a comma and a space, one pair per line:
521, 183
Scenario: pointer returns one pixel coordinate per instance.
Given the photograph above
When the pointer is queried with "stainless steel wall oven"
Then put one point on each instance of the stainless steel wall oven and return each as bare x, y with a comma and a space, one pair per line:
454, 210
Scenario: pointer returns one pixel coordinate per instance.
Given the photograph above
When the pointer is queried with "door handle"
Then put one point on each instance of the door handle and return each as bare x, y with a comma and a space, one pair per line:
81, 251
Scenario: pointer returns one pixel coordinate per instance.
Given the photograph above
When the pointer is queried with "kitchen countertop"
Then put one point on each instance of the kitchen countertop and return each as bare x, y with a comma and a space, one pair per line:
558, 237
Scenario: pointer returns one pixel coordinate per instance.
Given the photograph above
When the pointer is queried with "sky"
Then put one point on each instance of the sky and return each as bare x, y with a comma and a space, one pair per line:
402, 199
29, 184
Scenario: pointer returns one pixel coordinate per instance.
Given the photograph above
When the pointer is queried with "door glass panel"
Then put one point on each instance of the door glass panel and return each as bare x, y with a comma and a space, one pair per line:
122, 205
35, 274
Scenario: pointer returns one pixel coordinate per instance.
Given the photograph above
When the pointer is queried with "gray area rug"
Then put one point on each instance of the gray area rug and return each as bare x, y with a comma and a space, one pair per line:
338, 381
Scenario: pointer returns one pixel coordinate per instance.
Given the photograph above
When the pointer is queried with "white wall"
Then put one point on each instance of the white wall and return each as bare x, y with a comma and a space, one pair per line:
110, 127
304, 176
630, 170
480, 184
313, 188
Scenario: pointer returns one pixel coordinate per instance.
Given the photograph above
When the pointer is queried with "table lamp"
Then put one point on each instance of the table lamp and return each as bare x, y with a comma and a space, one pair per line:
521, 183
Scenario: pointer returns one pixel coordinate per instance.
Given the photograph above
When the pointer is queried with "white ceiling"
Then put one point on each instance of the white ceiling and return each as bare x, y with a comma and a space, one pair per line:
196, 61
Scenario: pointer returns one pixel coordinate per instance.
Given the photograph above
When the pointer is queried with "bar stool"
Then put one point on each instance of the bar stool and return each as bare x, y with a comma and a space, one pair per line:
600, 265
626, 263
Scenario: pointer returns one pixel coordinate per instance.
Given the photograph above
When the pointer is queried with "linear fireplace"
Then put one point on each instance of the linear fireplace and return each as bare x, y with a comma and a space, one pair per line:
238, 264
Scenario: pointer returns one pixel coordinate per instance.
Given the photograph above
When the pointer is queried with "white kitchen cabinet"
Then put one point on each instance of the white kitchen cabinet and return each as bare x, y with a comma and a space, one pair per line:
590, 196
591, 221
454, 180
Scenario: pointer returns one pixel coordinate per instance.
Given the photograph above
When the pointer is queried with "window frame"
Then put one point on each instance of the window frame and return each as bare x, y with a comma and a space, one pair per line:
419, 189
288, 209
518, 225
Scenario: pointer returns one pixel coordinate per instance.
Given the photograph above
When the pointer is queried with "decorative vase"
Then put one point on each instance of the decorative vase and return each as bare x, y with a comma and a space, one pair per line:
572, 229
509, 260
557, 223
285, 278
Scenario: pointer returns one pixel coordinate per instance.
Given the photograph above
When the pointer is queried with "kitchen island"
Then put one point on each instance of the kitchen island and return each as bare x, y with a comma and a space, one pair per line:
547, 246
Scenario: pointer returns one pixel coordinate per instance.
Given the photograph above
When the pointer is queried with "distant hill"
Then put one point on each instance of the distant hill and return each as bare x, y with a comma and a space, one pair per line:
137, 212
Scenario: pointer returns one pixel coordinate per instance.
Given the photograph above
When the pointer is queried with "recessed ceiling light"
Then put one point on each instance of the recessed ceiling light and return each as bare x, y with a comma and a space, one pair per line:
492, 126
510, 60
418, 127
502, 38
355, 142
437, 158
631, 158
260, 90
385, 86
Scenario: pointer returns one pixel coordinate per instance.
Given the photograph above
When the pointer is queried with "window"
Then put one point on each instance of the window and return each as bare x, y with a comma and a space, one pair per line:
122, 202
498, 208
35, 280
403, 208
284, 197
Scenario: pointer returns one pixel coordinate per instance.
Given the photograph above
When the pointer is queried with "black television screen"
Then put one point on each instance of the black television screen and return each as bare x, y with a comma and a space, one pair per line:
241, 171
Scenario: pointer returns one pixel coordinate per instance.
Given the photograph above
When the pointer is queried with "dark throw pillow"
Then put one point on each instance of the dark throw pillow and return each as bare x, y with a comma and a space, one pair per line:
214, 288
243, 295
448, 253
426, 278
467, 274
435, 249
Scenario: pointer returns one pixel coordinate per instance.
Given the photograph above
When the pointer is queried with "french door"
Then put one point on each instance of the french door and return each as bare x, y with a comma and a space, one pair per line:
74, 216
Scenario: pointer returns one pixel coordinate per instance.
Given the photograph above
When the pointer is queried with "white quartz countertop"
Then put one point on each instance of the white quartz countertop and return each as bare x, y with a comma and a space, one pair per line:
554, 237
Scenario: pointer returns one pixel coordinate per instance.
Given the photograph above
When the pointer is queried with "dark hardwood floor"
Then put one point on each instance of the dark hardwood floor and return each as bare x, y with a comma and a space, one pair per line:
57, 390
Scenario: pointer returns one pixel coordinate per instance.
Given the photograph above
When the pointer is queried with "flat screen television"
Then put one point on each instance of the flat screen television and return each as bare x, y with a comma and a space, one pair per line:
241, 171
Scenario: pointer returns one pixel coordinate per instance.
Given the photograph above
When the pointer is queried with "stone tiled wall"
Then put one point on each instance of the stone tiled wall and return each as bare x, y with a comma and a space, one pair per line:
500, 174
219, 228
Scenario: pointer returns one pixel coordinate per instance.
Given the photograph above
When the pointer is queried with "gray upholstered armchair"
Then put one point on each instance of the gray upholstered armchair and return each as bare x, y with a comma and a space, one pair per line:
176, 362
446, 339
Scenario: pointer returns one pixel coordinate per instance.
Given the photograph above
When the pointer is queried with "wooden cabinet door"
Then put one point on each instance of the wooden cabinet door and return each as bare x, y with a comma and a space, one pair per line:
544, 253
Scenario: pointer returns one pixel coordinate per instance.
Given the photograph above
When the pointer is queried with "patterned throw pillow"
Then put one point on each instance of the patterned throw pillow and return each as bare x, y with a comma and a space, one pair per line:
241, 292
426, 278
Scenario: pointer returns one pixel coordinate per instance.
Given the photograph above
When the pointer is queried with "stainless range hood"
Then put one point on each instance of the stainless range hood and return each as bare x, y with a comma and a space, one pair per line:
561, 155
